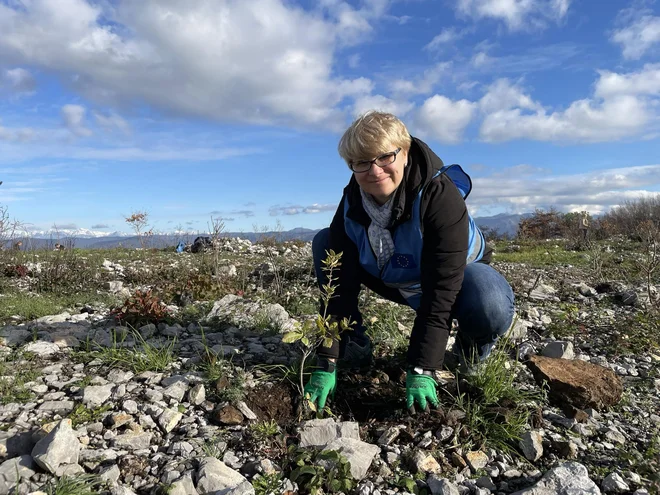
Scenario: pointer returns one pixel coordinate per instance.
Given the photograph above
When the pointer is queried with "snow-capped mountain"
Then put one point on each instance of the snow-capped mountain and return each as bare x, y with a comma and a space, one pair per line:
74, 233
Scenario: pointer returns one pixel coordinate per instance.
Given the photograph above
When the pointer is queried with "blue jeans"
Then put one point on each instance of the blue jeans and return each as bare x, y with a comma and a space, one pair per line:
484, 306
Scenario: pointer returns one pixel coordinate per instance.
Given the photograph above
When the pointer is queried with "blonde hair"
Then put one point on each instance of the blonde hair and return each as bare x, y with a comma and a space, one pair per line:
368, 135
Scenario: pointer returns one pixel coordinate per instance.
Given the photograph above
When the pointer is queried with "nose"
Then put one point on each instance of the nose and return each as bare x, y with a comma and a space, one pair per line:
375, 171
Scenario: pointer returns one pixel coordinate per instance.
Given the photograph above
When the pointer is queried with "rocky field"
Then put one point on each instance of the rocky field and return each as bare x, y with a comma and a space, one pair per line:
153, 372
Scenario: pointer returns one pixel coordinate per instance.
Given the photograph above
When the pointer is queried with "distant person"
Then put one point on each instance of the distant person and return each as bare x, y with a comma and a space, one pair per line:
405, 233
584, 225
17, 245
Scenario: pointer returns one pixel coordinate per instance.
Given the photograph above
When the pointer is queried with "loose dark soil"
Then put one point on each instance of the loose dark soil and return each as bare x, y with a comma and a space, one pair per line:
273, 402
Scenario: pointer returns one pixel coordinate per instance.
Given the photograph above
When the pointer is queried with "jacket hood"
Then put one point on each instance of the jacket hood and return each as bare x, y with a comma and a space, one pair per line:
422, 165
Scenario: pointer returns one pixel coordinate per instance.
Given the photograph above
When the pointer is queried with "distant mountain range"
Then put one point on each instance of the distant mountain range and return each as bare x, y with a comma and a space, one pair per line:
90, 239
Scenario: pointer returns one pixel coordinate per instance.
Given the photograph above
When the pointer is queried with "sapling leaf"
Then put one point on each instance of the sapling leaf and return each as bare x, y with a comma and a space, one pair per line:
291, 337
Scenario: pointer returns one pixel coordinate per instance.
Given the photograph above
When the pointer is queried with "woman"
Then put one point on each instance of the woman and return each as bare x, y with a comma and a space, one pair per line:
405, 233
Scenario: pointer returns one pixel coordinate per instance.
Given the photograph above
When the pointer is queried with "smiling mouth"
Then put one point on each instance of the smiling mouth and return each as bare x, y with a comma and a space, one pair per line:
378, 181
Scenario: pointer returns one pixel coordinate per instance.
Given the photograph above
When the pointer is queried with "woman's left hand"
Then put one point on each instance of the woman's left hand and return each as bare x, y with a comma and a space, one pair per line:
421, 389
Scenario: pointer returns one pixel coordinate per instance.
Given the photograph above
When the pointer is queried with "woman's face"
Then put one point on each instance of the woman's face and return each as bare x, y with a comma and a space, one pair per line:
381, 182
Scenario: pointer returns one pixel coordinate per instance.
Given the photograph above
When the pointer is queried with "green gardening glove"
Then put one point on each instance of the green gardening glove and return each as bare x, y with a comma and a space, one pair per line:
319, 386
420, 389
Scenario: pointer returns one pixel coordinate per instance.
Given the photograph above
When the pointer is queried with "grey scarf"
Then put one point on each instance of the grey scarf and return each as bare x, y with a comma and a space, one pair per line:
379, 237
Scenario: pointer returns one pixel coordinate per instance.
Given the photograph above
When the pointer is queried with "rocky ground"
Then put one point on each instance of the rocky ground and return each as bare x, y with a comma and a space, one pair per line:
209, 405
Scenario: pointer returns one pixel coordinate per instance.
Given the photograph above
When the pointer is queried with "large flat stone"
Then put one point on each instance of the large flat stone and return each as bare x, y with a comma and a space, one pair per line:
577, 383
320, 432
59, 448
216, 478
360, 454
569, 478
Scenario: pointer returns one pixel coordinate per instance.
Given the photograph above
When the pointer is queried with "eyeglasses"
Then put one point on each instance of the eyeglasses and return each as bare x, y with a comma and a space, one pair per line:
382, 161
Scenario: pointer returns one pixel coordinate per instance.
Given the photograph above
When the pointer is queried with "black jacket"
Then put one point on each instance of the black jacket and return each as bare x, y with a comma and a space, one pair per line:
444, 251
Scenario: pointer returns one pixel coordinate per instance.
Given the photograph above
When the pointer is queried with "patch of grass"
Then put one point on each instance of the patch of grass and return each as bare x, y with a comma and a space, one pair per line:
301, 305
265, 429
214, 448
144, 356
497, 411
193, 313
68, 272
263, 322
541, 254
86, 381
82, 414
215, 368
15, 371
564, 322
29, 306
638, 333
86, 484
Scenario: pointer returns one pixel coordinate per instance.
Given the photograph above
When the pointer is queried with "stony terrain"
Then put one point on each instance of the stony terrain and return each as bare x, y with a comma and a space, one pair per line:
204, 401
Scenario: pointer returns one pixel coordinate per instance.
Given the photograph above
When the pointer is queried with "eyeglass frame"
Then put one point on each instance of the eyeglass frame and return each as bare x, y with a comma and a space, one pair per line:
373, 162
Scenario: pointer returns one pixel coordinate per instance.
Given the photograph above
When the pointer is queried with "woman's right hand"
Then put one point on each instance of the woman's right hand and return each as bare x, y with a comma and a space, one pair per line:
321, 385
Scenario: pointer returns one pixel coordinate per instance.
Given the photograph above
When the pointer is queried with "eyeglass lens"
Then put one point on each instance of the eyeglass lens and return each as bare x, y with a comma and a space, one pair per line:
381, 161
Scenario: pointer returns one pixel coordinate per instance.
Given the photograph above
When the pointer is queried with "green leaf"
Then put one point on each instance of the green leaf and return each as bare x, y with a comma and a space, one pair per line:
331, 455
294, 474
305, 341
327, 342
291, 337
308, 470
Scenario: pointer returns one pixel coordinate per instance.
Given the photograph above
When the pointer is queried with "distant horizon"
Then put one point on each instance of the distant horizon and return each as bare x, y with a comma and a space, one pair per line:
127, 232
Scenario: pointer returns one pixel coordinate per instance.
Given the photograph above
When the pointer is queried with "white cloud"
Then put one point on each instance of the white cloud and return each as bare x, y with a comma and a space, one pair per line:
24, 186
16, 135
11, 153
74, 120
646, 81
278, 210
446, 36
502, 95
594, 191
583, 121
482, 59
444, 119
382, 103
423, 85
112, 122
516, 14
20, 80
258, 61
467, 86
621, 107
638, 37
537, 58
354, 61
317, 208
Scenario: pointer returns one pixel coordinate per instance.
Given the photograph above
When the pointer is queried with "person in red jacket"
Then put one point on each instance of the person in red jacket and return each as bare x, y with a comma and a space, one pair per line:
404, 231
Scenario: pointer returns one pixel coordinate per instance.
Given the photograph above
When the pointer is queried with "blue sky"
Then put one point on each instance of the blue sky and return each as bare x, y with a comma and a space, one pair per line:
233, 108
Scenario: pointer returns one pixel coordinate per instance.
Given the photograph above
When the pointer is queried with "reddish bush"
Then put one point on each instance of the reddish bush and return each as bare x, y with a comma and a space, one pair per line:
141, 308
17, 271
